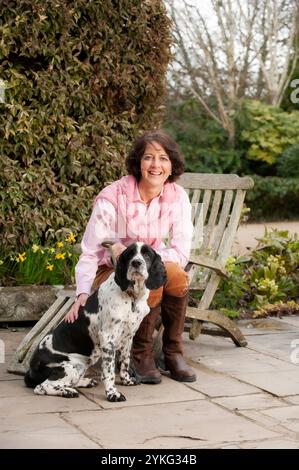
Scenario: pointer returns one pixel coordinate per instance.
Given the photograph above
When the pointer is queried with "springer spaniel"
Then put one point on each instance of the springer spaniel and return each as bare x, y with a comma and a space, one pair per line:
105, 325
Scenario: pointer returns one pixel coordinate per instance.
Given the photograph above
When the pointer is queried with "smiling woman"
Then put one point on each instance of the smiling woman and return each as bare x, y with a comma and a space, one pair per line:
155, 169
147, 206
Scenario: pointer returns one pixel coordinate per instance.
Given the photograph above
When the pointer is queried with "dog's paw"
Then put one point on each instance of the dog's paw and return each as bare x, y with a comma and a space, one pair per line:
39, 390
88, 383
92, 383
69, 392
131, 381
114, 397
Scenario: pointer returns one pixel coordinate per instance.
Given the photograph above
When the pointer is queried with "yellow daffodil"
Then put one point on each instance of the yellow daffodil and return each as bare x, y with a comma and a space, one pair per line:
71, 238
21, 257
35, 248
60, 256
50, 267
59, 244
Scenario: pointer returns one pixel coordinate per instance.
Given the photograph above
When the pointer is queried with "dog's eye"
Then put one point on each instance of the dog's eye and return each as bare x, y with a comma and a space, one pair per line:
146, 256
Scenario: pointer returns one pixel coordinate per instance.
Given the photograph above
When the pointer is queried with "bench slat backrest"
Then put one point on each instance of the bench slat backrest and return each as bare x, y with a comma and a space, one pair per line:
217, 202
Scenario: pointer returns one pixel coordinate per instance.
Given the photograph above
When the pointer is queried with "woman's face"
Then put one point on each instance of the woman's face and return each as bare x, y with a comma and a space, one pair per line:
155, 165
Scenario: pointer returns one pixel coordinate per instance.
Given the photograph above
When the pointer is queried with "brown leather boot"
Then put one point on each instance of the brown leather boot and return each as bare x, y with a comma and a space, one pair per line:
143, 363
173, 311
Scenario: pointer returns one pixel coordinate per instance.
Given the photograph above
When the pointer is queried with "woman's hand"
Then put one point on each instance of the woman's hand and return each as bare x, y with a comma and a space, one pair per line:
74, 312
117, 249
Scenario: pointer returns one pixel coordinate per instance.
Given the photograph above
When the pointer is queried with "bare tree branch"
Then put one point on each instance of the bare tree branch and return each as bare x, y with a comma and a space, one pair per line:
236, 49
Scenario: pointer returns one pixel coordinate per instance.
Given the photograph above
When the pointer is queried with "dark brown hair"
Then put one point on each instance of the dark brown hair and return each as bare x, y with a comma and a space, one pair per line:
169, 145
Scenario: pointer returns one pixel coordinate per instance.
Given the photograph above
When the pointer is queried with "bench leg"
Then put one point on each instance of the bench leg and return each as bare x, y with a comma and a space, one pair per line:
218, 319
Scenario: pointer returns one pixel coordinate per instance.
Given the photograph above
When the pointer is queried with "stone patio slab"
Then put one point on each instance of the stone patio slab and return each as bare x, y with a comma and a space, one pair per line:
283, 443
167, 426
262, 326
22, 401
291, 320
12, 338
45, 431
292, 399
248, 402
280, 346
144, 394
4, 375
14, 388
215, 384
287, 416
266, 421
281, 383
206, 345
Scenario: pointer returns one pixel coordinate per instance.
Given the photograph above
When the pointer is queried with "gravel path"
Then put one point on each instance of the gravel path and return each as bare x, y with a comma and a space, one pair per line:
247, 234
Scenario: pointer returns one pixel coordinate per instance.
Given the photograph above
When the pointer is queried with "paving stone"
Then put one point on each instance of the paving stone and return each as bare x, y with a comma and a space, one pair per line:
287, 416
269, 422
4, 375
214, 384
150, 426
271, 444
23, 401
247, 361
14, 388
233, 446
167, 391
211, 346
281, 346
172, 414
45, 431
248, 402
12, 339
264, 326
291, 320
281, 383
292, 399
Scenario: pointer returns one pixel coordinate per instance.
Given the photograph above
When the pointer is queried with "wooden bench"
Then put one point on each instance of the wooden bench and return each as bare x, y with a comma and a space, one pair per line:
217, 202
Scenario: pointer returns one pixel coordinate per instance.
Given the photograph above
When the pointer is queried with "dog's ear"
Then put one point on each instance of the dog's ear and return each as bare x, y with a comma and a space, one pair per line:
157, 274
121, 272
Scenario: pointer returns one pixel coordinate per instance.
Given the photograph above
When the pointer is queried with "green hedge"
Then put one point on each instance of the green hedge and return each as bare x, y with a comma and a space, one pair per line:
273, 198
288, 162
82, 78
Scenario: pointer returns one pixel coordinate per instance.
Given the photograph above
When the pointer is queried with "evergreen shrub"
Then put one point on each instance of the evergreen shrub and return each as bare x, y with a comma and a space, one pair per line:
82, 78
273, 198
288, 162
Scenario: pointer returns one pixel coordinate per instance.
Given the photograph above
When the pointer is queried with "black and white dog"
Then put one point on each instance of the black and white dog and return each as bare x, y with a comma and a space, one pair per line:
105, 325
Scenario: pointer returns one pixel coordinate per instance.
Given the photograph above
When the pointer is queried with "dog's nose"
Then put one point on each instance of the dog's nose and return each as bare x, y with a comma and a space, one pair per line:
136, 263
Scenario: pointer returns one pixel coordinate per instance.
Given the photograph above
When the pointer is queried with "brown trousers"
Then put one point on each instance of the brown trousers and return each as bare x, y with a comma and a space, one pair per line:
176, 285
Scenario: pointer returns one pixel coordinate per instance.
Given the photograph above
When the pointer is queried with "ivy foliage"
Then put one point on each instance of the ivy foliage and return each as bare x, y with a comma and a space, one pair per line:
82, 78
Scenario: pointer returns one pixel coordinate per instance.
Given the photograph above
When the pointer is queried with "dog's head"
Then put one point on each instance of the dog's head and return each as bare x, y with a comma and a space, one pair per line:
140, 262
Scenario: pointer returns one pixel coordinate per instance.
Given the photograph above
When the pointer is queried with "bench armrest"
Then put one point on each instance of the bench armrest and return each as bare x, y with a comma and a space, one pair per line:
209, 263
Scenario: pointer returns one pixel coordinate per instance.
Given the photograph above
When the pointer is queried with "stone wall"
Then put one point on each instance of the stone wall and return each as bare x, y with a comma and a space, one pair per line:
24, 303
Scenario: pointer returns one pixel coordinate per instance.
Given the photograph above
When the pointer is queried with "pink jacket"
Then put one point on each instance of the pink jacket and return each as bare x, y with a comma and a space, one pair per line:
119, 214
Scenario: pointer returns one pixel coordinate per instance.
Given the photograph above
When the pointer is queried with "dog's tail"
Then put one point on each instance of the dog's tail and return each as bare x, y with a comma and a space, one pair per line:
30, 380
38, 371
